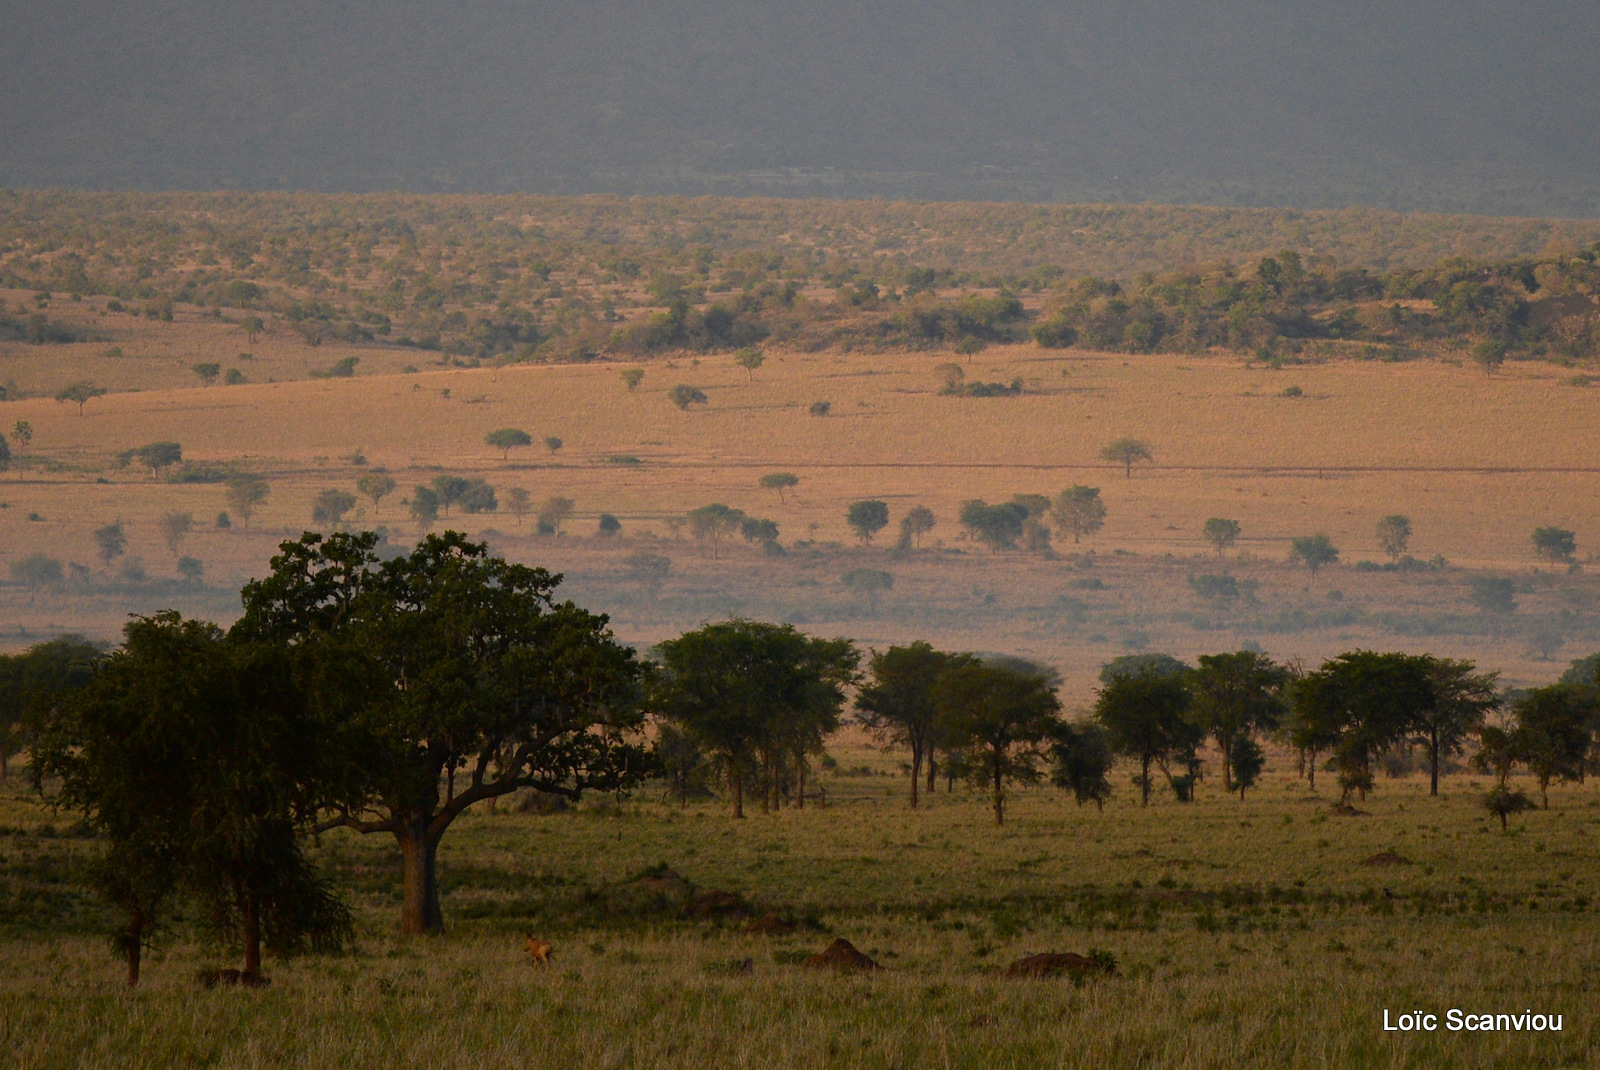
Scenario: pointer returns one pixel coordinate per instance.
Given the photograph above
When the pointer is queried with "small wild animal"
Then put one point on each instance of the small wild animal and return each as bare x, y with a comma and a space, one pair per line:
539, 950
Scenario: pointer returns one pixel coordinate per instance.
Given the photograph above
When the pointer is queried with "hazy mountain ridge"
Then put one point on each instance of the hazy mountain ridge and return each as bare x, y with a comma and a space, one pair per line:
1443, 106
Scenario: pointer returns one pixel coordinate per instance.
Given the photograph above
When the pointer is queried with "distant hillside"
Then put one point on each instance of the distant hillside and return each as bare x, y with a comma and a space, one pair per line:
1445, 105
514, 279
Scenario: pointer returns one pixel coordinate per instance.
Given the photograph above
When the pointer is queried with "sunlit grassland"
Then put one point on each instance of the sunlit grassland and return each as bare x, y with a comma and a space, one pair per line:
1247, 933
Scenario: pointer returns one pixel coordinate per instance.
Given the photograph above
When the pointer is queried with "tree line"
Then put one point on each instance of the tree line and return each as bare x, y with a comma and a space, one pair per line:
389, 696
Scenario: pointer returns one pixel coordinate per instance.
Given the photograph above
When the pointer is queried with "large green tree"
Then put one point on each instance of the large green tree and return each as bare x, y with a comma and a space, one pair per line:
201, 760
451, 662
1552, 733
1001, 715
897, 703
755, 696
1462, 697
1146, 715
1079, 510
1235, 695
1366, 703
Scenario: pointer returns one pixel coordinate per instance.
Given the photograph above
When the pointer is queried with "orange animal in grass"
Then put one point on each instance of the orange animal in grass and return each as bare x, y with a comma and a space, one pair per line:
539, 950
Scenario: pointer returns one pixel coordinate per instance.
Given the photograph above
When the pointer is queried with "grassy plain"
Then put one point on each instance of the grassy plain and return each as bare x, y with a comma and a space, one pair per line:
1252, 933
1476, 461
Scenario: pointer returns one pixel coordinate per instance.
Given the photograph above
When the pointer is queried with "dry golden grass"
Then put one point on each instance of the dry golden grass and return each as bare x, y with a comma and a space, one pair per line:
1477, 462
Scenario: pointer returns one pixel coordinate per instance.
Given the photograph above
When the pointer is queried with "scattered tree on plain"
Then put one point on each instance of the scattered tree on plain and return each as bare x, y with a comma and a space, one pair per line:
553, 444
1127, 452
175, 527
330, 507
37, 570
749, 359
683, 395
918, 521
207, 373
1394, 535
780, 481
110, 541
376, 486
157, 455
755, 696
1221, 533
507, 439
80, 394
867, 518
1553, 733
1313, 551
553, 512
450, 489
1079, 510
869, 582
244, 493
1555, 545
424, 507
1462, 698
649, 571
632, 377
713, 523
1365, 703
1493, 594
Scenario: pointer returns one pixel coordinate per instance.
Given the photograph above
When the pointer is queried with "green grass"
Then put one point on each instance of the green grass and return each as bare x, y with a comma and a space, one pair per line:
1247, 934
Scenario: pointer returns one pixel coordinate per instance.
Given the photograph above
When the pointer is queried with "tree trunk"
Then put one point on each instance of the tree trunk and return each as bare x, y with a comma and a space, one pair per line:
999, 791
1311, 770
1433, 762
1144, 781
933, 773
916, 773
420, 913
1225, 745
738, 792
250, 920
800, 777
135, 947
1241, 793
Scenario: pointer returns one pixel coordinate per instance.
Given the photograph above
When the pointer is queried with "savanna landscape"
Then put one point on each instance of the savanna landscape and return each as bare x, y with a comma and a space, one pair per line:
1061, 439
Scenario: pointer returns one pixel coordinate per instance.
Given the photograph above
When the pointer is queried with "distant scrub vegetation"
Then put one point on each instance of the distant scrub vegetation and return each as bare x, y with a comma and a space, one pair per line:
569, 279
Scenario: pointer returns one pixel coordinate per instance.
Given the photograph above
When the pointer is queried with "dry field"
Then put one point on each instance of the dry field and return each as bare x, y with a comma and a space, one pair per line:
1477, 462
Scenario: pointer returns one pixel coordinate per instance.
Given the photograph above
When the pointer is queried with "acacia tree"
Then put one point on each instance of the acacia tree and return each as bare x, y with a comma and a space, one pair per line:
507, 439
918, 521
1314, 551
755, 694
444, 661
1552, 734
1146, 716
1127, 452
1394, 534
1237, 695
110, 541
867, 518
1461, 700
1368, 702
80, 393
749, 359
1001, 714
780, 481
1079, 510
898, 703
245, 492
1555, 545
377, 486
713, 523
1083, 758
1221, 533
